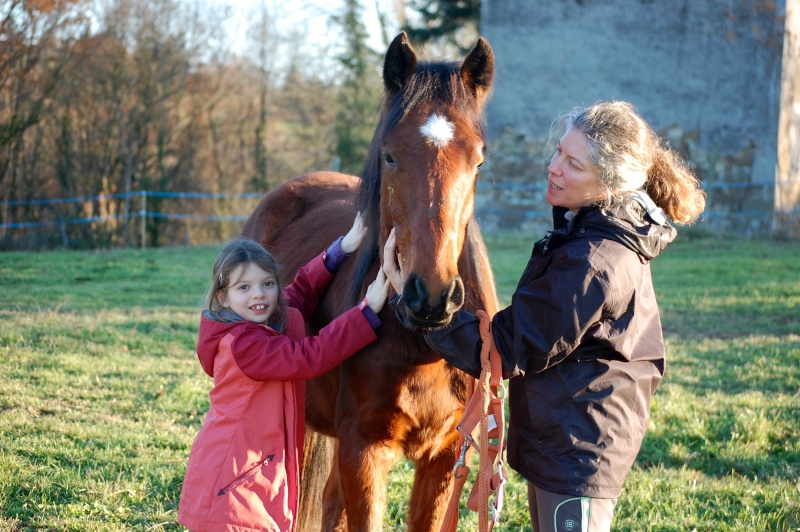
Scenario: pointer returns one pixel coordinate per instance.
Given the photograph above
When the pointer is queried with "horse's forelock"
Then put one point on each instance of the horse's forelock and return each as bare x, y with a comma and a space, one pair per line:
439, 82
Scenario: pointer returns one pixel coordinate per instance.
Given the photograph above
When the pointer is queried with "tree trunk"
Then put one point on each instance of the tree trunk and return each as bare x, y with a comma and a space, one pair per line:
786, 220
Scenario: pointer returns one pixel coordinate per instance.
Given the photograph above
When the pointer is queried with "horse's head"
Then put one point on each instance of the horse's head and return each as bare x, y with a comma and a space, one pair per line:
424, 163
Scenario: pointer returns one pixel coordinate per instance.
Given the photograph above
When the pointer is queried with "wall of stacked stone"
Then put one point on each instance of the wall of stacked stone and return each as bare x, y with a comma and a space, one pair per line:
706, 74
511, 189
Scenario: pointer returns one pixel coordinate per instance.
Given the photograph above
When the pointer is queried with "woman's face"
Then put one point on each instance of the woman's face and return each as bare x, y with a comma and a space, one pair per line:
572, 180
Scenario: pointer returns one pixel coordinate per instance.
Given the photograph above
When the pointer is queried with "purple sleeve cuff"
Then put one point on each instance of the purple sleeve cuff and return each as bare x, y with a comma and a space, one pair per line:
372, 318
334, 256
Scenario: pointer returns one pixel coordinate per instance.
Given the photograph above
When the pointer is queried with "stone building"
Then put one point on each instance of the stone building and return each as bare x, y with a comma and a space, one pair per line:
706, 74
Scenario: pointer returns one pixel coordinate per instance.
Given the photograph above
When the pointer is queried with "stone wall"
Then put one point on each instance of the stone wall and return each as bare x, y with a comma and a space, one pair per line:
704, 73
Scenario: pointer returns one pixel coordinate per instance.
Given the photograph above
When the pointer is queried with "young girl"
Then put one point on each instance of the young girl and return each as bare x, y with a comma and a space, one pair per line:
582, 338
244, 465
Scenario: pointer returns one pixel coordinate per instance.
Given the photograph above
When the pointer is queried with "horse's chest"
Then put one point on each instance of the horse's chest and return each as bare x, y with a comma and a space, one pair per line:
429, 399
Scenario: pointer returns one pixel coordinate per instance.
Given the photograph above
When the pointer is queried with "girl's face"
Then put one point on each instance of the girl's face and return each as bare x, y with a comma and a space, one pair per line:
252, 293
572, 180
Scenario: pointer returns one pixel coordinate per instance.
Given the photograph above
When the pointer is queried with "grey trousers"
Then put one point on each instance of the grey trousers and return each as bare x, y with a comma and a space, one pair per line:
553, 512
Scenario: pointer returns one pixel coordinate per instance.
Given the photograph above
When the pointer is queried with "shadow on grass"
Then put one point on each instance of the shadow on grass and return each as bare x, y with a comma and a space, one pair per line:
727, 443
764, 364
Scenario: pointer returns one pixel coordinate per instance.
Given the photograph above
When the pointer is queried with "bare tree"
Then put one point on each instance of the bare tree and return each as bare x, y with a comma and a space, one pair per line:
33, 60
786, 221
150, 97
164, 42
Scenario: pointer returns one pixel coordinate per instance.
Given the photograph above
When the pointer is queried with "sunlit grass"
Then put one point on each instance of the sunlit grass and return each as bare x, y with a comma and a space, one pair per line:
102, 394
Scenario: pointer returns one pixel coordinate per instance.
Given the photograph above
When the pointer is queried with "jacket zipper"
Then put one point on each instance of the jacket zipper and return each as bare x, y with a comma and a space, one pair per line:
246, 475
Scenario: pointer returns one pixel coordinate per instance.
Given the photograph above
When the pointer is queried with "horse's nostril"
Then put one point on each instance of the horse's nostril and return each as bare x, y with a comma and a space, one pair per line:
455, 297
414, 293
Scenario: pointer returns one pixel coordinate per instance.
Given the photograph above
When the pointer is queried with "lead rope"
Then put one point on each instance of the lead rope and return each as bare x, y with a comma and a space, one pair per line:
482, 405
484, 471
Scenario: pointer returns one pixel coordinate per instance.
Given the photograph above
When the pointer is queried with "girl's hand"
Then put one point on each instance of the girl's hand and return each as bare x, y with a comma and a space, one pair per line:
378, 292
391, 263
354, 236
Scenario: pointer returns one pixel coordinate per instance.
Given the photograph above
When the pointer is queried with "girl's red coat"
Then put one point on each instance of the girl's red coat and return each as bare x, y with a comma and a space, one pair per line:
243, 469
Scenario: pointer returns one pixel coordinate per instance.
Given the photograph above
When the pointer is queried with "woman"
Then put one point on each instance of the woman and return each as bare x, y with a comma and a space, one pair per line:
582, 340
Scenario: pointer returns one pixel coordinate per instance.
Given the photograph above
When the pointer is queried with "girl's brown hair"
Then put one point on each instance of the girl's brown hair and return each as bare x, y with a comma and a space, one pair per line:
242, 250
628, 156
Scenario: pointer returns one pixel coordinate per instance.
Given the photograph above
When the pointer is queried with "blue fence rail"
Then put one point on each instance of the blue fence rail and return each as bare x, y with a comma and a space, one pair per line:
138, 209
708, 187
143, 214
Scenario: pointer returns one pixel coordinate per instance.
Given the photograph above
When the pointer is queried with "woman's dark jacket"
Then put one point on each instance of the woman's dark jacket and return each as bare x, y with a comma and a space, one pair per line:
582, 342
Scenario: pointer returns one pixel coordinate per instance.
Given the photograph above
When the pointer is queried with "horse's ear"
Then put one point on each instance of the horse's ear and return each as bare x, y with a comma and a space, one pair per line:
477, 70
400, 63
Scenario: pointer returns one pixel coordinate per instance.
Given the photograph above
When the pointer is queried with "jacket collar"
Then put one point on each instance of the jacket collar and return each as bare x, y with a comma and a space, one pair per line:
637, 223
213, 329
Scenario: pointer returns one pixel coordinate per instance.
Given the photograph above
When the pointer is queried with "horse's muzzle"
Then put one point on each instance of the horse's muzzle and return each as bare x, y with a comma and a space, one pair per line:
422, 310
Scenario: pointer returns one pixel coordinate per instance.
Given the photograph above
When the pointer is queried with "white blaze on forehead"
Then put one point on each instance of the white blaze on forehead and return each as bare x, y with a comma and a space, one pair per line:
439, 130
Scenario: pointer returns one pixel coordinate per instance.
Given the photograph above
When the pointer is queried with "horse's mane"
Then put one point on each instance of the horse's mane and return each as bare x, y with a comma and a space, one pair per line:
432, 82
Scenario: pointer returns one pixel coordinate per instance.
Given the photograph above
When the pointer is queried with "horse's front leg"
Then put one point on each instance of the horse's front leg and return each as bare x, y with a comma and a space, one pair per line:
363, 469
334, 518
431, 491
319, 464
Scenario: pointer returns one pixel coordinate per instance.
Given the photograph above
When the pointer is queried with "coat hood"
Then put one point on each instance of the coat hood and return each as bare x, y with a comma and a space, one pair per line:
637, 223
211, 334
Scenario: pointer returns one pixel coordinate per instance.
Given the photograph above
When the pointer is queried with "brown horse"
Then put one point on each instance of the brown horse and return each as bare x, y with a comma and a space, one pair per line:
396, 396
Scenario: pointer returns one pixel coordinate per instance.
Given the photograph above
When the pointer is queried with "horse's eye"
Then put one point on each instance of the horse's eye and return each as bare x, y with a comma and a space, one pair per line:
389, 161
480, 166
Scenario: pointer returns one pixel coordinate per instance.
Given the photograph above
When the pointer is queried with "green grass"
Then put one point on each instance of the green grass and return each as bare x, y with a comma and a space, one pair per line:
102, 393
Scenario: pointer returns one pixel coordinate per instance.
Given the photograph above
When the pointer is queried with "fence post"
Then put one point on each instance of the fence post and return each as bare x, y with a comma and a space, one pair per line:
143, 216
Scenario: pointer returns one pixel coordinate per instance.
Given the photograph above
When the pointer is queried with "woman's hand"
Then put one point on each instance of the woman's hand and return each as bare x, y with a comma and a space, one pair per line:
391, 263
354, 236
378, 292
